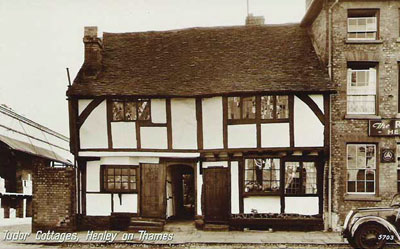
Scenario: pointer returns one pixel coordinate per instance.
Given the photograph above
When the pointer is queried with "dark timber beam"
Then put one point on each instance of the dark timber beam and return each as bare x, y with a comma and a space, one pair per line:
313, 106
85, 114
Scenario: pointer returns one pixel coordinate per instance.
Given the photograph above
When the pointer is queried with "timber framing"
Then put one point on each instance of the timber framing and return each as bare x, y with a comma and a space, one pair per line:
313, 106
85, 113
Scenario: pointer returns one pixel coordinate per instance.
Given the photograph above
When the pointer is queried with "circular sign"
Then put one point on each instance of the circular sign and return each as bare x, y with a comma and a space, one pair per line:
388, 156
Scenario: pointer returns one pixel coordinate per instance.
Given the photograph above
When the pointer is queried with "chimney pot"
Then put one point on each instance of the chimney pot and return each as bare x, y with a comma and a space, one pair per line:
252, 20
91, 32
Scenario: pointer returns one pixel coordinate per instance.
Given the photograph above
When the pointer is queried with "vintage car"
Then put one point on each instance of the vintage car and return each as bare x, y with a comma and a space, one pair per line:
371, 228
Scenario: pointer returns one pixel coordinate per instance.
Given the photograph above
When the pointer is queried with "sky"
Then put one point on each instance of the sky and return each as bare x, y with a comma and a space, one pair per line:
39, 39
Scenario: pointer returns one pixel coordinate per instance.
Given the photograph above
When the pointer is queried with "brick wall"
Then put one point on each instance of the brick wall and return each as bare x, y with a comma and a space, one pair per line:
347, 129
54, 206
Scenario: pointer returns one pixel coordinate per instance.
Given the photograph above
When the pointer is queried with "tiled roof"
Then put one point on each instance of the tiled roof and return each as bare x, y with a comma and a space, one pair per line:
206, 61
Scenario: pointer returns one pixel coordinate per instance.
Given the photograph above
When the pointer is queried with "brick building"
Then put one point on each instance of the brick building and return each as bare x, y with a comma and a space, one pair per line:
358, 41
33, 182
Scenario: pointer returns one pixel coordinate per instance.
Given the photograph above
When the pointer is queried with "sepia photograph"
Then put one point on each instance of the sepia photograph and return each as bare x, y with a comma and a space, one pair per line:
200, 124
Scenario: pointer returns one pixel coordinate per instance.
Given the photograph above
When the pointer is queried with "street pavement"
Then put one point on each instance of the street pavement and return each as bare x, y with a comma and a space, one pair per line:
184, 238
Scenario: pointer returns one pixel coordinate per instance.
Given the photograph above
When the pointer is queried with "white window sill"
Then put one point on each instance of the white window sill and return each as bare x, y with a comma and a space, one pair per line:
362, 197
364, 41
362, 116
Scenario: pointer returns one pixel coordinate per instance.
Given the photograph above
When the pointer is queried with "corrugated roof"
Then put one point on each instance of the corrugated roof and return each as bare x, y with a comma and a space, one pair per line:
33, 150
206, 61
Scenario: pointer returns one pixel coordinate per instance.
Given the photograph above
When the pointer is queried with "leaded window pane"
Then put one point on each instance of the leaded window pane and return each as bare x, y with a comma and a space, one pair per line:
282, 107
262, 175
118, 111
130, 111
267, 107
234, 107
249, 108
144, 109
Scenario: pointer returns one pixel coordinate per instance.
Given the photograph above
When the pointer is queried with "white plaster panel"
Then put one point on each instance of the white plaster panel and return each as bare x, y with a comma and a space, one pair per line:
158, 111
123, 135
199, 187
82, 104
93, 176
153, 137
213, 137
93, 132
98, 204
319, 100
302, 205
119, 160
138, 154
184, 123
308, 130
275, 135
234, 187
242, 136
215, 164
128, 204
263, 204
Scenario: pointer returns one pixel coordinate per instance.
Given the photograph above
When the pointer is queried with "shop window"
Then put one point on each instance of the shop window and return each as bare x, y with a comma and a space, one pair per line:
274, 107
362, 24
262, 175
241, 107
361, 89
120, 179
361, 168
130, 110
300, 178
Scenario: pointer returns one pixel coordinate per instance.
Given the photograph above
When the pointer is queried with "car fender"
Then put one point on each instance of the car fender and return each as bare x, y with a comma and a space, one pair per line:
379, 220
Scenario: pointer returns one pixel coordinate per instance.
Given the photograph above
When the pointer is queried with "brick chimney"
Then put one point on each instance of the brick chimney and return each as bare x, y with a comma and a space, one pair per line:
254, 20
93, 51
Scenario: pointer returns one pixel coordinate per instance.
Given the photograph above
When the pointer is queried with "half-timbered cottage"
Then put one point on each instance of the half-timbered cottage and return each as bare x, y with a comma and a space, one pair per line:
228, 125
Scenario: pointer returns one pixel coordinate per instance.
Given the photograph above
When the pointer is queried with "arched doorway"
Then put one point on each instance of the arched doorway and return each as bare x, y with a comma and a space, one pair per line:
180, 192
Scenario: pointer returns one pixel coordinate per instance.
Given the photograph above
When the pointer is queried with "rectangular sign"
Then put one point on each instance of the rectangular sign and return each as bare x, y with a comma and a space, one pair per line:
385, 127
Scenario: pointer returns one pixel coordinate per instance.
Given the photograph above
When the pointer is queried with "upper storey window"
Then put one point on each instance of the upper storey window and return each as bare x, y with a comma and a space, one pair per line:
362, 24
275, 107
241, 107
361, 89
130, 110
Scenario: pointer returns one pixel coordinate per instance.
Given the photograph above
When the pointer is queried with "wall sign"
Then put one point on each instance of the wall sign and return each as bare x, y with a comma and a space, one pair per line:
384, 127
387, 156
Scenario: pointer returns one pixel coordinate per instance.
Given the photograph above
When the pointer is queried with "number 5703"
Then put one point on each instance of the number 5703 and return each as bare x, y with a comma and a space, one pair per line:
385, 237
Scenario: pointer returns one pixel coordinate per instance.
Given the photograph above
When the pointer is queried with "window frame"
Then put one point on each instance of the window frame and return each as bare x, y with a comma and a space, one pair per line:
258, 119
262, 193
136, 101
363, 13
376, 171
103, 175
359, 67
301, 165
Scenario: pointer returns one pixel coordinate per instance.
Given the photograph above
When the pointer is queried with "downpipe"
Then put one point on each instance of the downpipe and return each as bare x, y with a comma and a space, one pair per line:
330, 225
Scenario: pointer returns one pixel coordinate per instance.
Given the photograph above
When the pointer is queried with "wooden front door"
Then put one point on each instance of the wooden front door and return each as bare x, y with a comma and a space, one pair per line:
217, 195
153, 200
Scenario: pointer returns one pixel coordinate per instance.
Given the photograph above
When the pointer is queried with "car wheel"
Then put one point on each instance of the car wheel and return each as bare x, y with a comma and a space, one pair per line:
352, 242
367, 236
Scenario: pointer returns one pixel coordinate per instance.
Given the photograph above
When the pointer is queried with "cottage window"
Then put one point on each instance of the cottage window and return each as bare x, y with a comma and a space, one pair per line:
362, 25
300, 178
241, 107
361, 90
361, 168
274, 107
262, 175
120, 179
131, 110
